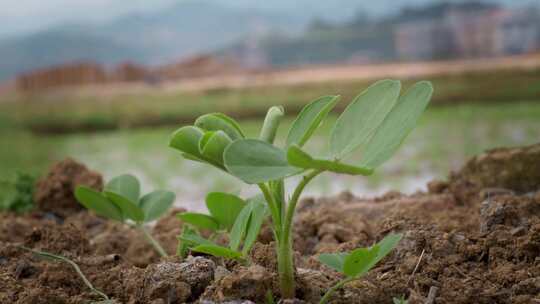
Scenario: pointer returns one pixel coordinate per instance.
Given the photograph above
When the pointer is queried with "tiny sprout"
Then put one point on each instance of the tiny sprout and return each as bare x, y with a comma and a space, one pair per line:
374, 124
243, 233
121, 201
357, 262
400, 300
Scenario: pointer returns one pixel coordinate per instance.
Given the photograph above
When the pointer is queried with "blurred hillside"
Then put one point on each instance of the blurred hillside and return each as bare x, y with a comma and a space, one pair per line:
259, 33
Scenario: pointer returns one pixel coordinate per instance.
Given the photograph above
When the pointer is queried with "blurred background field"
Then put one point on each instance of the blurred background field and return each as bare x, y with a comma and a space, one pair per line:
115, 110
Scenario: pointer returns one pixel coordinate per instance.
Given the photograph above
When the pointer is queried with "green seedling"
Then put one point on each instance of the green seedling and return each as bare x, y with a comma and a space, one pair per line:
400, 300
374, 125
357, 262
17, 194
243, 234
77, 269
121, 201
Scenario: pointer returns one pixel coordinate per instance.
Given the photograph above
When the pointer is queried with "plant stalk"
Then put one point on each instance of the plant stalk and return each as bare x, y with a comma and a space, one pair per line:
285, 250
334, 288
152, 241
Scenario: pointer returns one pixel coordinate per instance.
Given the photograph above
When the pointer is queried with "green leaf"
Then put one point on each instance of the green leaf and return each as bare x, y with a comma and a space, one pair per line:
156, 203
386, 245
199, 220
224, 207
362, 117
97, 202
310, 119
239, 228
220, 122
218, 251
125, 185
271, 124
186, 139
255, 161
129, 209
397, 125
193, 239
334, 260
299, 158
213, 144
360, 261
258, 214
183, 246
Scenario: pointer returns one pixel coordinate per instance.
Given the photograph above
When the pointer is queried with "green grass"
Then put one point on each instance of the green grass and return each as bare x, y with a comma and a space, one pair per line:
444, 138
77, 111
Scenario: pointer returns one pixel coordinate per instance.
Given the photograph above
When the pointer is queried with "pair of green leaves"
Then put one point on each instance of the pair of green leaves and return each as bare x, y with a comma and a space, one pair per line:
224, 209
242, 236
359, 261
120, 200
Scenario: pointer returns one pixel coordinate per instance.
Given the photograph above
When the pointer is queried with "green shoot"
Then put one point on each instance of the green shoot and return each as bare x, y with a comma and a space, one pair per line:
242, 237
75, 267
17, 195
357, 262
121, 201
400, 300
374, 125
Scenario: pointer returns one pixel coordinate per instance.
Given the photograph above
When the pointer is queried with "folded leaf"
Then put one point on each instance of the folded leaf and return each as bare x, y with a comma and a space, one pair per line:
224, 207
125, 185
362, 117
186, 139
156, 203
255, 161
360, 261
334, 260
129, 209
397, 125
220, 122
213, 144
240, 226
218, 251
271, 124
97, 202
310, 119
258, 214
299, 158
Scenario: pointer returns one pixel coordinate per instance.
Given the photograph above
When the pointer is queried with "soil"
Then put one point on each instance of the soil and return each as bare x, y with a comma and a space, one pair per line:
474, 238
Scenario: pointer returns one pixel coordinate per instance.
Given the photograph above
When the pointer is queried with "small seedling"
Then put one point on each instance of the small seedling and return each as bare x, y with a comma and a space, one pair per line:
121, 201
242, 236
18, 193
87, 282
400, 300
375, 124
357, 262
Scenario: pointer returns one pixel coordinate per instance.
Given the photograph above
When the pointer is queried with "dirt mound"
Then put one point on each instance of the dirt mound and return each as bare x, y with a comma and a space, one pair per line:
54, 192
472, 239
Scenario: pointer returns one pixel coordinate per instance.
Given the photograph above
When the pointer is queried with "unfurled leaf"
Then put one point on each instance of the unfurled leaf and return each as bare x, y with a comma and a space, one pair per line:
220, 122
255, 161
386, 245
258, 214
125, 185
239, 228
224, 207
97, 202
129, 209
360, 261
213, 144
397, 125
218, 251
199, 220
186, 139
156, 203
362, 117
271, 124
299, 158
309, 119
334, 260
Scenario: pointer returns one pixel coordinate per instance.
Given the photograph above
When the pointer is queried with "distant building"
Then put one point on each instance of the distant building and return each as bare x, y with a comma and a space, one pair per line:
518, 32
424, 39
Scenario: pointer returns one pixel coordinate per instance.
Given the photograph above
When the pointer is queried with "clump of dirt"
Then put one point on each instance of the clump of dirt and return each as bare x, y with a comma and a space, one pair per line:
54, 192
472, 239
